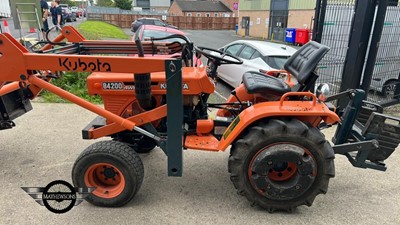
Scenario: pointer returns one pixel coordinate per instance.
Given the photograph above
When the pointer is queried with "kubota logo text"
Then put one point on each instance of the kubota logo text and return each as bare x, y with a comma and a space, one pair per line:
73, 65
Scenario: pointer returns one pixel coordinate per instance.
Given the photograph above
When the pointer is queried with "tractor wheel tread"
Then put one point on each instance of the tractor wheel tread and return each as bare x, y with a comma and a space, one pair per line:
257, 137
116, 152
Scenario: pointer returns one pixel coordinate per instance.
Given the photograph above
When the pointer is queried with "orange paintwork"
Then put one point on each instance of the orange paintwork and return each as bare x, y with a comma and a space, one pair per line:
194, 82
140, 119
242, 95
129, 125
11, 49
207, 142
298, 109
72, 35
275, 72
118, 103
204, 126
9, 88
105, 188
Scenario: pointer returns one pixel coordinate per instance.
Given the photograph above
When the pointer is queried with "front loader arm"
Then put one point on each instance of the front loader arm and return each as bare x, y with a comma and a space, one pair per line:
20, 69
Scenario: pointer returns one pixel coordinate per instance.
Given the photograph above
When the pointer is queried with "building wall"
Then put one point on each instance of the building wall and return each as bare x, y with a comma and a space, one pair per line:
203, 14
174, 10
230, 4
159, 8
300, 18
302, 4
254, 5
255, 30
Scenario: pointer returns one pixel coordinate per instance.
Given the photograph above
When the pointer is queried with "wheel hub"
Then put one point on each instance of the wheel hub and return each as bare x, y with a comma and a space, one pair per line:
282, 171
106, 178
109, 173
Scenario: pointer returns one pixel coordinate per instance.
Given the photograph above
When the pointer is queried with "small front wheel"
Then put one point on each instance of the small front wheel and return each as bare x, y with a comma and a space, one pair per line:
113, 169
281, 164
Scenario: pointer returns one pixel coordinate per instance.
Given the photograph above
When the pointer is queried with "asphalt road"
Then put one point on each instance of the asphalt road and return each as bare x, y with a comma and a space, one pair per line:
47, 140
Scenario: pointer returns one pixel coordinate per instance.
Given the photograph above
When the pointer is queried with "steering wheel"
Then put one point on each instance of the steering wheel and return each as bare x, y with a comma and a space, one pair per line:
220, 58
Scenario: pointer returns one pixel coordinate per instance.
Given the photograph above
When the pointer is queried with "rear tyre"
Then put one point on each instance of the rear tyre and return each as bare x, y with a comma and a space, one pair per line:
113, 169
281, 164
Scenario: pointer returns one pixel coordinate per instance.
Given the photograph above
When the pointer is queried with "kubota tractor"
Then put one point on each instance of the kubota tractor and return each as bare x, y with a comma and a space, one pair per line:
279, 158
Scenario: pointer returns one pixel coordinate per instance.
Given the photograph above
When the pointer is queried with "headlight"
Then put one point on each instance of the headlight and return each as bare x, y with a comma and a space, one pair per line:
322, 92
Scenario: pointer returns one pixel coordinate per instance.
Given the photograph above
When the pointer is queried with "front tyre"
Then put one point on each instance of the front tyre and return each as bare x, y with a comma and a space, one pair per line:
281, 164
113, 169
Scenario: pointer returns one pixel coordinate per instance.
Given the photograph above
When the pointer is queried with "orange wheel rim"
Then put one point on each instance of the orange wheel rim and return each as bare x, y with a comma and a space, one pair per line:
106, 178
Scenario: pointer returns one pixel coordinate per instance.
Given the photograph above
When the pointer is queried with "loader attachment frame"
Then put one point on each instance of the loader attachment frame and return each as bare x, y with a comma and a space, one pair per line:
365, 136
25, 74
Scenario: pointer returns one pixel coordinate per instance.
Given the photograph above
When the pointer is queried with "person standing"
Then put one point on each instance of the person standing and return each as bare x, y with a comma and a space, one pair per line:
45, 13
56, 14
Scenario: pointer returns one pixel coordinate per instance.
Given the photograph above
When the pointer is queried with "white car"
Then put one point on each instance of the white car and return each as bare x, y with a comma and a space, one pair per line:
74, 9
256, 55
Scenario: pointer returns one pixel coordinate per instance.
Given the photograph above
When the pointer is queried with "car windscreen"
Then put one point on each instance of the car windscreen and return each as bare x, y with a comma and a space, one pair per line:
147, 34
276, 62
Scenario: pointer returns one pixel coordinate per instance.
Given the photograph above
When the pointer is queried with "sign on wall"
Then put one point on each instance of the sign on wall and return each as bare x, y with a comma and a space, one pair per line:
235, 6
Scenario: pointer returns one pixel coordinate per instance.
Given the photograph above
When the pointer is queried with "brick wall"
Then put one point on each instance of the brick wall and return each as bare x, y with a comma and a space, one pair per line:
174, 10
256, 30
300, 18
182, 22
204, 14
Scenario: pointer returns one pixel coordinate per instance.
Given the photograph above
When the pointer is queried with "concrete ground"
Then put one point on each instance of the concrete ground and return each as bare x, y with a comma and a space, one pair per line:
46, 142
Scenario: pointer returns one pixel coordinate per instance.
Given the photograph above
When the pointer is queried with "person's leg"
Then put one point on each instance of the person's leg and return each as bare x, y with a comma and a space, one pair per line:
55, 23
45, 28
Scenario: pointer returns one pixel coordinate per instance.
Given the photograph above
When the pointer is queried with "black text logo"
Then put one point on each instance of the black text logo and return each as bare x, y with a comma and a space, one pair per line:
58, 196
73, 65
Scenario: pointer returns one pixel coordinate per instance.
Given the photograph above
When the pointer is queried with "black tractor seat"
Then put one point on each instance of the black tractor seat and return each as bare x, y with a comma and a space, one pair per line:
256, 82
300, 65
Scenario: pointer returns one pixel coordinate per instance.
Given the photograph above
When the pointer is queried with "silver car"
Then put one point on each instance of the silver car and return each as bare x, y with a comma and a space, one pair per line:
256, 55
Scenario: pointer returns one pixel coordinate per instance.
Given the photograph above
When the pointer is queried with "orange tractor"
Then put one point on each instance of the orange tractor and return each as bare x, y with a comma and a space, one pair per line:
279, 158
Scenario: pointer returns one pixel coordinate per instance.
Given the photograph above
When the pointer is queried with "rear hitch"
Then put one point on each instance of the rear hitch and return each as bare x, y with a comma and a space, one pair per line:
366, 136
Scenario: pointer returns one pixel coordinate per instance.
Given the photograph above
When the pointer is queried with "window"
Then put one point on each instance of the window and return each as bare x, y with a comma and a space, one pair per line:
147, 22
198, 14
215, 14
158, 23
276, 62
207, 14
233, 49
188, 14
256, 54
247, 52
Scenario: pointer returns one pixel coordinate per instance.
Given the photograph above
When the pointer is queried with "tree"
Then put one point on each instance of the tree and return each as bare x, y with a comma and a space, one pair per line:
105, 3
123, 4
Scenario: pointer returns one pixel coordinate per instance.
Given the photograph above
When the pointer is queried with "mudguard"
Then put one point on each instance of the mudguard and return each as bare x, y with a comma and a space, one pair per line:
309, 111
